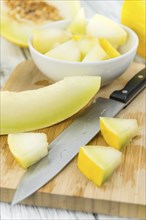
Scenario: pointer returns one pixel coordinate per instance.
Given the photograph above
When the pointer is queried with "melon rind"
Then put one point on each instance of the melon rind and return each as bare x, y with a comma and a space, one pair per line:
40, 108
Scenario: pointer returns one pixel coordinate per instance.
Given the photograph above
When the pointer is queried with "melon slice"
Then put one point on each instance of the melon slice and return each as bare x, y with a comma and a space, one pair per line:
97, 163
109, 49
85, 44
28, 148
45, 39
66, 51
78, 25
95, 54
118, 132
17, 24
35, 109
102, 27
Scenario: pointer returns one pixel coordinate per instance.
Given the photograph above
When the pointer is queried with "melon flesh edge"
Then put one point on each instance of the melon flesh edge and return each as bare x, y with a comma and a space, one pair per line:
28, 148
35, 109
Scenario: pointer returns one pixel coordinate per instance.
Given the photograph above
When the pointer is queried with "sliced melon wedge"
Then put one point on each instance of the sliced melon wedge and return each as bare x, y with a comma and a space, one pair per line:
118, 132
97, 163
28, 148
19, 18
96, 53
45, 39
66, 51
85, 44
102, 27
35, 109
78, 25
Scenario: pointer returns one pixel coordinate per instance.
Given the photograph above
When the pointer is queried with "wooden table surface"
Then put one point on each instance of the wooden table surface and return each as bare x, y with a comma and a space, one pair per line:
12, 55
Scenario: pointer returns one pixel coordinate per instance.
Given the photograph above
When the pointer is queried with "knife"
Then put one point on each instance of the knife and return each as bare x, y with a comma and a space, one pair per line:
66, 146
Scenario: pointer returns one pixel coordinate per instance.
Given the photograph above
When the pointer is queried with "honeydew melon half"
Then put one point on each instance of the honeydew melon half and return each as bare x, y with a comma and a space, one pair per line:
35, 109
18, 19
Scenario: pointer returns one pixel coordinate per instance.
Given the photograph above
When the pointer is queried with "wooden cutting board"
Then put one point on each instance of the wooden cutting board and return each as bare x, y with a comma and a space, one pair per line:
124, 192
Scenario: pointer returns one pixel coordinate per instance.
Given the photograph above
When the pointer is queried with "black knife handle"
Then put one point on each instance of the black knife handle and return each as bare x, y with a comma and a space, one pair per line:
131, 89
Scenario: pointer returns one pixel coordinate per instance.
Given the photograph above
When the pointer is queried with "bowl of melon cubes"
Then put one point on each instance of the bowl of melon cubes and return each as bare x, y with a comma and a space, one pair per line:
95, 46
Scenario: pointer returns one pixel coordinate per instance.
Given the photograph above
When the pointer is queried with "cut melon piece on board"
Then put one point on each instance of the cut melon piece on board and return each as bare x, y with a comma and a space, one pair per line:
85, 44
96, 54
97, 163
67, 51
45, 39
102, 27
28, 148
78, 25
109, 49
118, 132
17, 23
40, 108
133, 16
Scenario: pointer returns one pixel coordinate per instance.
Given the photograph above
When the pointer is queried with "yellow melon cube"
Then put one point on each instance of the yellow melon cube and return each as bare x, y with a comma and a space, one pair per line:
118, 132
97, 163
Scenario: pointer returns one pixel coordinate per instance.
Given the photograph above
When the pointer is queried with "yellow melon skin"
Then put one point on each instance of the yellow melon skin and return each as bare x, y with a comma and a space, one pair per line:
97, 163
109, 49
40, 108
133, 16
118, 132
18, 32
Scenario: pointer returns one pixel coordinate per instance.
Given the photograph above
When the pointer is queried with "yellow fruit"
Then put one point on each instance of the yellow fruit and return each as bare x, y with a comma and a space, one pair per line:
19, 18
109, 49
78, 25
35, 109
97, 163
85, 44
28, 148
45, 39
66, 51
118, 132
96, 53
133, 16
102, 27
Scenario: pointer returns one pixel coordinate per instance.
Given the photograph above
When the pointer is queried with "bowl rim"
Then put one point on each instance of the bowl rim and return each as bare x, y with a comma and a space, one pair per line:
128, 30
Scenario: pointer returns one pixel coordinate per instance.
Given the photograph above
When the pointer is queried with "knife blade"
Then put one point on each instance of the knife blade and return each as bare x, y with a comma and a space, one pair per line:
66, 146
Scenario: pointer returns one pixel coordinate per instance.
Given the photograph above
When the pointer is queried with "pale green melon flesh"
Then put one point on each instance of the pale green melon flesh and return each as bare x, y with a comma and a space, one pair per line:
35, 109
18, 32
28, 148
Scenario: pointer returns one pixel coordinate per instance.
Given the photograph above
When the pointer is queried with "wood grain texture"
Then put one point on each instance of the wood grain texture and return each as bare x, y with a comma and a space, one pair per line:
122, 195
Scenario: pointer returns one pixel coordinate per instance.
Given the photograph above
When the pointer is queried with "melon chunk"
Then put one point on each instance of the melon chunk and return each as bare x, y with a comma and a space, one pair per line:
97, 163
78, 25
45, 39
85, 44
35, 109
95, 54
28, 148
118, 132
102, 27
66, 51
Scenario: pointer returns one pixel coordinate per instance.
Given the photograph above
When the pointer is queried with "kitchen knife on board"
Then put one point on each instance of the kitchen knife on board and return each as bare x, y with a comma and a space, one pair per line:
66, 146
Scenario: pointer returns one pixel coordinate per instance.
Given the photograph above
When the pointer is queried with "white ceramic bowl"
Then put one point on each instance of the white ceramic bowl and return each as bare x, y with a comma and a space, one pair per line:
109, 70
